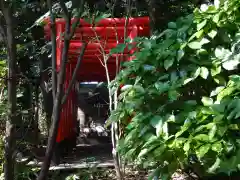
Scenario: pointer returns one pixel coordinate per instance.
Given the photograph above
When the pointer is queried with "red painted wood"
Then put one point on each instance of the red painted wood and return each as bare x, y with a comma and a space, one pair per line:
91, 68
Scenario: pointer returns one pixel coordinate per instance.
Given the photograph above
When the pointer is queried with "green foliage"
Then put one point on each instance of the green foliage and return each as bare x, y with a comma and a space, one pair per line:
182, 91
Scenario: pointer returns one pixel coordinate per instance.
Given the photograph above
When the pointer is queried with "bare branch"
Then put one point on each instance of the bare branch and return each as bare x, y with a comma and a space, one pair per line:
54, 46
77, 21
65, 10
74, 73
56, 108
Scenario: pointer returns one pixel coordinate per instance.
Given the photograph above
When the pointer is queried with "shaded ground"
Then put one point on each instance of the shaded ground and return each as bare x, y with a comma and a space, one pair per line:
84, 156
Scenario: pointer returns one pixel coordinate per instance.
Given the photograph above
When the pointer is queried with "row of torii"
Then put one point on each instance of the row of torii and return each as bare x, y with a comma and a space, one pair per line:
104, 36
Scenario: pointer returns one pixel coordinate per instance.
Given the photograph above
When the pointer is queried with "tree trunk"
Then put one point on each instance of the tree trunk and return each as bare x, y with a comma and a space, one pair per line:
11, 121
56, 110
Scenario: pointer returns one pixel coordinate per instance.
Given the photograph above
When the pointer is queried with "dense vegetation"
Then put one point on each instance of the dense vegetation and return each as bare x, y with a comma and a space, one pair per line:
181, 95
178, 107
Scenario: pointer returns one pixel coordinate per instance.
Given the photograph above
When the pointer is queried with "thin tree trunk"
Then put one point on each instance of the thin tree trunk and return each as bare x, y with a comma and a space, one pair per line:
54, 46
60, 92
152, 14
10, 124
56, 109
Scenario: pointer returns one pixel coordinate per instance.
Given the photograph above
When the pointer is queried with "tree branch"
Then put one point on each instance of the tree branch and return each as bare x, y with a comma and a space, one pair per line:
9, 160
56, 108
65, 10
76, 23
54, 45
74, 73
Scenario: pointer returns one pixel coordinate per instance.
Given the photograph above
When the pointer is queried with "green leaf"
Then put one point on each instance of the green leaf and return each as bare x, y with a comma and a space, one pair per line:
219, 52
216, 91
173, 95
180, 55
168, 63
204, 72
202, 137
203, 150
216, 18
156, 120
202, 52
215, 70
197, 72
119, 49
201, 25
186, 146
195, 45
212, 132
204, 41
172, 25
231, 64
213, 168
212, 33
207, 101
161, 87
218, 3
102, 16
188, 80
217, 146
220, 80
199, 33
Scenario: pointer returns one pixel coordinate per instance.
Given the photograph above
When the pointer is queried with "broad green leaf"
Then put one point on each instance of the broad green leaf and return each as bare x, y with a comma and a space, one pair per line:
199, 33
220, 52
218, 3
119, 49
217, 146
216, 91
168, 63
220, 80
172, 25
203, 127
126, 87
102, 16
212, 132
186, 146
231, 64
173, 95
212, 33
202, 137
218, 118
204, 41
204, 72
202, 52
203, 150
183, 129
201, 25
156, 120
180, 55
214, 167
197, 72
216, 18
207, 101
171, 118
204, 7
195, 45
215, 70
187, 80
235, 78
161, 87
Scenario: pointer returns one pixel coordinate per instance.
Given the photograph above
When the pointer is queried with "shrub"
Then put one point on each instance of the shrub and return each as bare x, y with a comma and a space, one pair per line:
182, 93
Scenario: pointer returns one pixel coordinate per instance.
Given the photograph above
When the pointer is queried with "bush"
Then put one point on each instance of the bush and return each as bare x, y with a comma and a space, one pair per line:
182, 93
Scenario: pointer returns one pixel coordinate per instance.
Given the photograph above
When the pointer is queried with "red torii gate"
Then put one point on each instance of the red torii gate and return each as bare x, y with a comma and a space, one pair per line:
91, 68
